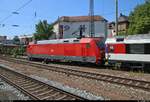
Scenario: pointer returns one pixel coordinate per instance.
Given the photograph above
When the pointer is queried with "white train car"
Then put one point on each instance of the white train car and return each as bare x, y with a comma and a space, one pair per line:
133, 51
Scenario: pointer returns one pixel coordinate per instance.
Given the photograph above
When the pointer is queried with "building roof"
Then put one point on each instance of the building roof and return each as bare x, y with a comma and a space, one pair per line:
123, 18
26, 36
79, 19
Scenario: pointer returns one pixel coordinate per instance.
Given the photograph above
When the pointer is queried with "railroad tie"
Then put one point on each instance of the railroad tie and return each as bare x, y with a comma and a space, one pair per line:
27, 86
22, 81
146, 86
116, 80
129, 82
137, 83
104, 77
60, 98
122, 81
45, 93
32, 89
110, 79
42, 89
47, 97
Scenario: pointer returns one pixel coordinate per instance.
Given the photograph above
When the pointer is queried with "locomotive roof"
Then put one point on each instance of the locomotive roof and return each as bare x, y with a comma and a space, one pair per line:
60, 41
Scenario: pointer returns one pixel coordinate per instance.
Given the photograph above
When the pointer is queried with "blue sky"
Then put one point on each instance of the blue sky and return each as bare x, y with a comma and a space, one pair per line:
51, 9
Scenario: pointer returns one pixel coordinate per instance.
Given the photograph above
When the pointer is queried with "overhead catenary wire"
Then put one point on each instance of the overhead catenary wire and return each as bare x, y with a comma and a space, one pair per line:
10, 15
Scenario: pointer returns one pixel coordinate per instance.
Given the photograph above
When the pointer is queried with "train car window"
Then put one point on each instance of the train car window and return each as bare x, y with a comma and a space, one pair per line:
147, 49
136, 49
120, 39
128, 48
66, 41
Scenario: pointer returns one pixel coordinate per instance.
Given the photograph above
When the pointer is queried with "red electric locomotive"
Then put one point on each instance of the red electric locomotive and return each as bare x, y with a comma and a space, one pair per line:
82, 50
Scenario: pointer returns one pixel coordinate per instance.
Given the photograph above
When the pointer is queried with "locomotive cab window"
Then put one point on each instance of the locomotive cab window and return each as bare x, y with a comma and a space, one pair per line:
100, 44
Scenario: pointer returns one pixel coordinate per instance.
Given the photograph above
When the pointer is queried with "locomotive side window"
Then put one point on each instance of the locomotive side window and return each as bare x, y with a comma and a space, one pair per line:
76, 41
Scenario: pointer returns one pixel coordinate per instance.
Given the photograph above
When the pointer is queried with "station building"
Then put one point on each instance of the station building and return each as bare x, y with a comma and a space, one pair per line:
69, 26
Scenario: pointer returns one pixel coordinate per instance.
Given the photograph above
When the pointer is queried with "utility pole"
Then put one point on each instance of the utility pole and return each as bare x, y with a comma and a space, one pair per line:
91, 16
116, 17
58, 36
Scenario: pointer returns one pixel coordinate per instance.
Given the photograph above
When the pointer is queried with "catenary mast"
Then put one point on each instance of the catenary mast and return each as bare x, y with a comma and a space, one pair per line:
92, 24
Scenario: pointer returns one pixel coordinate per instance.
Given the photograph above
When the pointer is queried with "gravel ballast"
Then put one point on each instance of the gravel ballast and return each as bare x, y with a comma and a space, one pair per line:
105, 90
8, 92
66, 88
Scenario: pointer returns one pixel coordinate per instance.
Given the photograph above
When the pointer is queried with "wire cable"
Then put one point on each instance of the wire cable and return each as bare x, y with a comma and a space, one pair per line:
16, 11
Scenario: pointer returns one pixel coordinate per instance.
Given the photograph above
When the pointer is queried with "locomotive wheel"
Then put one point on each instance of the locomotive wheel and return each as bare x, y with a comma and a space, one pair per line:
45, 61
30, 58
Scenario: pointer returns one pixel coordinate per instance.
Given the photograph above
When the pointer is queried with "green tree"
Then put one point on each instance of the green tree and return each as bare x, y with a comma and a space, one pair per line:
140, 19
16, 40
147, 1
43, 31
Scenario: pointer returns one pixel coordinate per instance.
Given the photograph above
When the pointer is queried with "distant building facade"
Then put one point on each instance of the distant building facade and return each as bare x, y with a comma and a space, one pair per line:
3, 38
5, 41
123, 25
69, 27
25, 39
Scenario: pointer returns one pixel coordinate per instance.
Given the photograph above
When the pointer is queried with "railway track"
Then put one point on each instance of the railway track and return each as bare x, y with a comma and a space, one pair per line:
138, 84
33, 88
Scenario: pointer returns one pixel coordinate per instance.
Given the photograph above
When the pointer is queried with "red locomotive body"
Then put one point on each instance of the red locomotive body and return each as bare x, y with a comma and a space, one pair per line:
82, 50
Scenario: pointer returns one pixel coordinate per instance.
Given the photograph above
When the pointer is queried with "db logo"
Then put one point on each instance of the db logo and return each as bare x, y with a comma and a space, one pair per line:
52, 50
